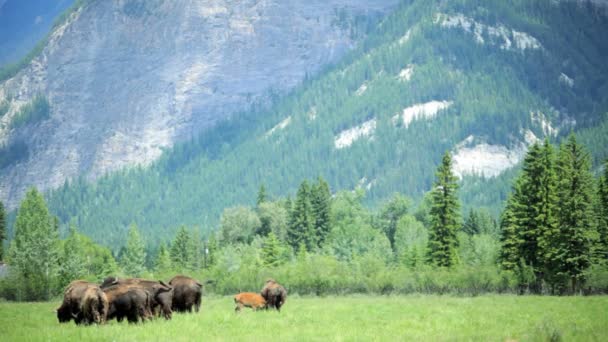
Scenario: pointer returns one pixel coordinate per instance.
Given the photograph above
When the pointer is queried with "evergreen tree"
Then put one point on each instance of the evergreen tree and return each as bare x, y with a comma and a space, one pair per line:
321, 208
163, 260
271, 251
34, 251
134, 257
2, 230
535, 212
262, 197
510, 239
444, 216
181, 249
577, 225
301, 229
602, 195
196, 253
472, 224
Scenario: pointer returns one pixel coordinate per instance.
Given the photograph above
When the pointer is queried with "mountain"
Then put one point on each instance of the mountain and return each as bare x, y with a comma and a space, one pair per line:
482, 79
118, 82
23, 23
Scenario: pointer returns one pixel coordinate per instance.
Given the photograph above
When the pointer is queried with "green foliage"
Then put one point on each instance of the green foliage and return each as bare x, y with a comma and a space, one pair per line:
391, 213
133, 258
273, 219
411, 240
271, 251
511, 240
238, 224
262, 196
37, 110
320, 198
34, 250
301, 228
602, 195
2, 230
445, 216
12, 153
577, 221
182, 250
163, 262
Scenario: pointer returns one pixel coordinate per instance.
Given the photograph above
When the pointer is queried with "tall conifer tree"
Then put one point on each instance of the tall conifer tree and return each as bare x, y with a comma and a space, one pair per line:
510, 239
301, 228
445, 218
602, 245
577, 224
321, 207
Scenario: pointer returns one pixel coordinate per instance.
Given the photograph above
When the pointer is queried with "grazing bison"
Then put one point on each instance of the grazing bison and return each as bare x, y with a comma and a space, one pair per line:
83, 302
187, 293
250, 300
161, 294
274, 294
130, 301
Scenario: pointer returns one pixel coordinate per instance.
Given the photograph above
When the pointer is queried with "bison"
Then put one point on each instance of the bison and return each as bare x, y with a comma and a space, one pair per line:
250, 300
130, 301
161, 294
274, 294
83, 302
187, 293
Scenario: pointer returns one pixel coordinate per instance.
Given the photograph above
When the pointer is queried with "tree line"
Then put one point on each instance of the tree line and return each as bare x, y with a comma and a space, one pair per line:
551, 238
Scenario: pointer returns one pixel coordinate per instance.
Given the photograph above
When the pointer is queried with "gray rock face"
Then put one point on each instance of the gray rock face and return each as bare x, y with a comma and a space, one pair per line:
128, 78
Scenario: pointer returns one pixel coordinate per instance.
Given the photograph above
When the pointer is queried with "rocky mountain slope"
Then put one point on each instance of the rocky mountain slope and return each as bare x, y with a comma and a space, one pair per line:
482, 79
126, 79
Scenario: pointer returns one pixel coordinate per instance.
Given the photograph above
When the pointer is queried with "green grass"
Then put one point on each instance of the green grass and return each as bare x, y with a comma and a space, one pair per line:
359, 318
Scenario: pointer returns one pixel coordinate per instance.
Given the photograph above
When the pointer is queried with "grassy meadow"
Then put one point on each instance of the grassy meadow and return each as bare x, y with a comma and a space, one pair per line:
360, 318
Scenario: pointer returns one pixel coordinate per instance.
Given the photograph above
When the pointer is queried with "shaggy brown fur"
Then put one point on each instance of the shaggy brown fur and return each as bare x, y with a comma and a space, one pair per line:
130, 301
161, 294
274, 294
187, 293
250, 300
84, 302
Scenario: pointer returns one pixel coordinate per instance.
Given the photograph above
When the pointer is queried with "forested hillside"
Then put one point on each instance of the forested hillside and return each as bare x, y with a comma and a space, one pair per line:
481, 79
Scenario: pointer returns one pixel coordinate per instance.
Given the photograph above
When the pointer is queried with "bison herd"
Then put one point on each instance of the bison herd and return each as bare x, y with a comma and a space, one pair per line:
139, 300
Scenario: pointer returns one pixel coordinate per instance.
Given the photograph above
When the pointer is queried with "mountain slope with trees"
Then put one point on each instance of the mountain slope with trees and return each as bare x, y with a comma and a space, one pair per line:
471, 77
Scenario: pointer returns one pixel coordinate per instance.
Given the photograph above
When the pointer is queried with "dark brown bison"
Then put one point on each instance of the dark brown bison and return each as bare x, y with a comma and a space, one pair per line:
274, 294
83, 302
161, 294
250, 300
187, 293
130, 301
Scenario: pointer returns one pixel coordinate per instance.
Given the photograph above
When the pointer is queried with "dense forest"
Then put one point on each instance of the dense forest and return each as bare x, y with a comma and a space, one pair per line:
540, 84
552, 238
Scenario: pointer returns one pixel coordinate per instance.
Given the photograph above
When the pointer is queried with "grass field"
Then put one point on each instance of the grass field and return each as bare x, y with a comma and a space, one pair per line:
361, 318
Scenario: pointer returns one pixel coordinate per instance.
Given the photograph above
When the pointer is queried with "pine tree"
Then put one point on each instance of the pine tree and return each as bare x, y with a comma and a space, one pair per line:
445, 220
2, 230
301, 228
510, 239
163, 260
134, 257
196, 253
321, 208
535, 213
472, 224
577, 226
181, 249
262, 197
34, 251
271, 251
602, 195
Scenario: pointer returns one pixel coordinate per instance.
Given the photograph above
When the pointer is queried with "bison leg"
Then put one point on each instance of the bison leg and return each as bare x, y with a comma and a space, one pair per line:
197, 302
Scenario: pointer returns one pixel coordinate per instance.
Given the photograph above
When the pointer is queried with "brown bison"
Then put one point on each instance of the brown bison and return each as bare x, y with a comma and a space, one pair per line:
187, 293
83, 302
250, 300
274, 294
130, 301
161, 294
